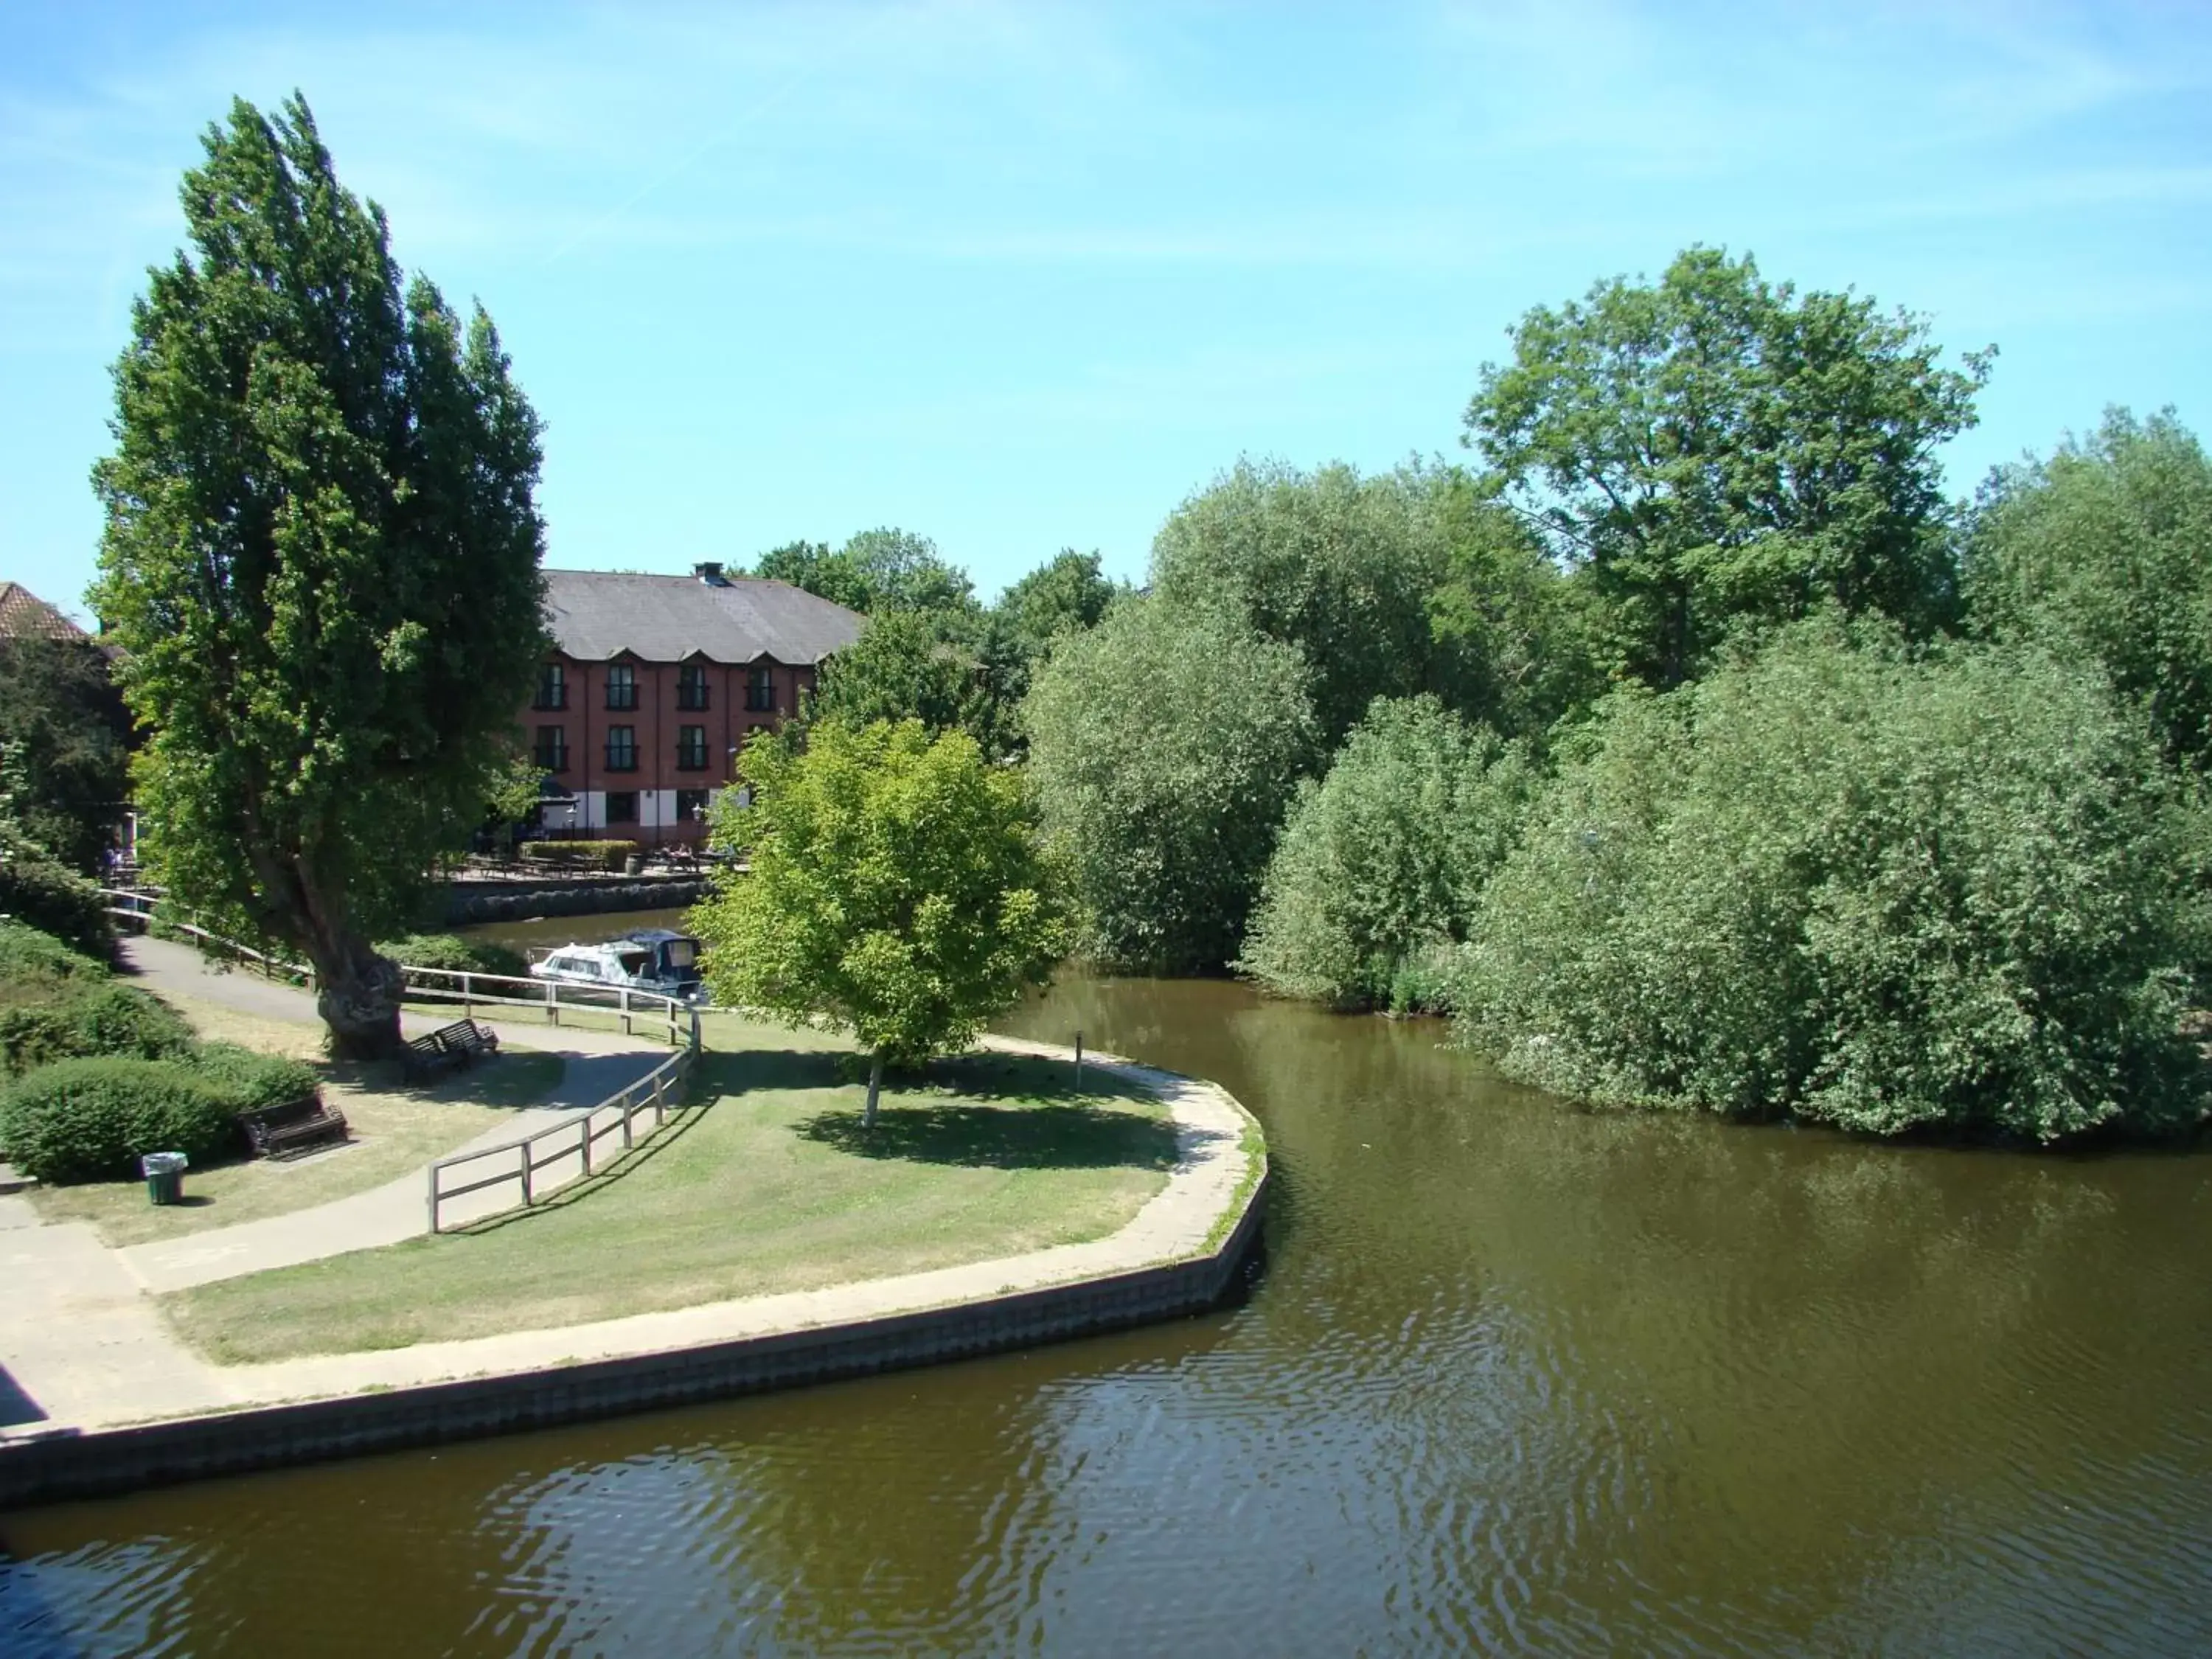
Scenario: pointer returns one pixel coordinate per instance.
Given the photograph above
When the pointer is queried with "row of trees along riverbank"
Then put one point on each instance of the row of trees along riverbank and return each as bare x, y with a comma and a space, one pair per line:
1683, 742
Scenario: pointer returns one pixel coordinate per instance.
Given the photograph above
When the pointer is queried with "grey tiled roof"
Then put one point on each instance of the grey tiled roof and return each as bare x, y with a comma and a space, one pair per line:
597, 614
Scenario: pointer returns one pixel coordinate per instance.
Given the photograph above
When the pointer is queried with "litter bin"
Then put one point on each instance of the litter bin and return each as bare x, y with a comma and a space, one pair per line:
165, 1176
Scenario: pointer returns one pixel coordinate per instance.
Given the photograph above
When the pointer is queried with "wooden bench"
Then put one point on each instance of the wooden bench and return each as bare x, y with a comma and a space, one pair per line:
291, 1129
449, 1048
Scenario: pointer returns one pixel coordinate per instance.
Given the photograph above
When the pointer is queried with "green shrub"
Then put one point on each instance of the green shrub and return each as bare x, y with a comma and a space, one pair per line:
580, 855
252, 1081
1163, 746
91, 1119
1839, 882
37, 890
1384, 859
83, 1018
37, 960
452, 952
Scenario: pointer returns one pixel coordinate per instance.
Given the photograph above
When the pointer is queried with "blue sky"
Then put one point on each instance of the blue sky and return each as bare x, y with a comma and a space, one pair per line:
1023, 276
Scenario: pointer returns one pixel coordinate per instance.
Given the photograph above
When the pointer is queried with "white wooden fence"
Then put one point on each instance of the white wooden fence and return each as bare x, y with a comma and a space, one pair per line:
520, 1162
662, 1016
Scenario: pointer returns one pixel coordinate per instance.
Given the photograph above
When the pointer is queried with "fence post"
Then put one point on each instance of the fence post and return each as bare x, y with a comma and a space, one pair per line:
630, 1138
585, 1151
467, 1004
624, 995
695, 1030
1079, 1062
524, 1150
434, 1198
552, 1002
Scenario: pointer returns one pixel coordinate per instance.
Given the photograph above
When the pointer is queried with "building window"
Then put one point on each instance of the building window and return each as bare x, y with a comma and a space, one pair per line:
691, 748
621, 806
691, 805
622, 685
691, 685
621, 749
760, 688
550, 752
552, 687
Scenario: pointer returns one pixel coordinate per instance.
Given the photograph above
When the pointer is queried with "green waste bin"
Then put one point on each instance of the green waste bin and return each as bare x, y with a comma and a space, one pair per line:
165, 1176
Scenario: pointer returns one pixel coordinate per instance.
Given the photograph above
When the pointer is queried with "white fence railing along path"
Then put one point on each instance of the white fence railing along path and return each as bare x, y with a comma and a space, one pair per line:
665, 1017
658, 1091
523, 1160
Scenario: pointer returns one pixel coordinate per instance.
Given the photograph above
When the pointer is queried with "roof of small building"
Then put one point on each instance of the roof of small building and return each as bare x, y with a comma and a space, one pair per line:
595, 615
24, 614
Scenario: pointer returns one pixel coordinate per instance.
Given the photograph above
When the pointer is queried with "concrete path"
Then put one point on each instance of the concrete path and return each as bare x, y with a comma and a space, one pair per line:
80, 1340
80, 1343
598, 1063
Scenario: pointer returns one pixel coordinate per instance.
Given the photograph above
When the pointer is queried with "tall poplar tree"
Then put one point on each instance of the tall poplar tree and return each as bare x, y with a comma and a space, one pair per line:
321, 557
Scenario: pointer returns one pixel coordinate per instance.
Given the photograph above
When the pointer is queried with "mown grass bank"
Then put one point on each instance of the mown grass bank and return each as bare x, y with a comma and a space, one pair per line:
766, 1183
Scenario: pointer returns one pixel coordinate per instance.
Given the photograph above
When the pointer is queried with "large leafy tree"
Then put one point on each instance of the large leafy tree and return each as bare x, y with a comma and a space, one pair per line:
1713, 449
878, 570
1380, 863
912, 664
321, 555
1164, 744
1843, 883
897, 887
2105, 551
1339, 566
67, 738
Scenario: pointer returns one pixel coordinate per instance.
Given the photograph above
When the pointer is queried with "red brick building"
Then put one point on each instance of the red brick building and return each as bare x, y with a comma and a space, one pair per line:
654, 684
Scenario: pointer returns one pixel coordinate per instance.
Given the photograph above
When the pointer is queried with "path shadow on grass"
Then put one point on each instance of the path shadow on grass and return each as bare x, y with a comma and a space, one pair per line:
1057, 1135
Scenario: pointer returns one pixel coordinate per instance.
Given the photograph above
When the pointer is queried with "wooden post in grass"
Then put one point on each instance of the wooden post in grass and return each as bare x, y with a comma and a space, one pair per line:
1079, 1062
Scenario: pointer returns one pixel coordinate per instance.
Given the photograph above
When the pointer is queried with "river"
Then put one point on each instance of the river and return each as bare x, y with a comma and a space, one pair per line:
1516, 1378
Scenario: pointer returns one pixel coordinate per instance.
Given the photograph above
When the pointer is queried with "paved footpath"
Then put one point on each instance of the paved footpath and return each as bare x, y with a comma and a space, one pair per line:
82, 1345
597, 1064
79, 1335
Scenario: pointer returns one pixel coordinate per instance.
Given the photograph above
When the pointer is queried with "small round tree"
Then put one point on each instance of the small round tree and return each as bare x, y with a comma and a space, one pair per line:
897, 887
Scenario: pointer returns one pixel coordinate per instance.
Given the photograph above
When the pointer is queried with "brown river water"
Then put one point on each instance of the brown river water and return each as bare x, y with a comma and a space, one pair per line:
1514, 1378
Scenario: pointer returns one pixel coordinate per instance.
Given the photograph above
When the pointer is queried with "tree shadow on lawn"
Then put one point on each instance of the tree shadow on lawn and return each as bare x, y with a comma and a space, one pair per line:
1059, 1136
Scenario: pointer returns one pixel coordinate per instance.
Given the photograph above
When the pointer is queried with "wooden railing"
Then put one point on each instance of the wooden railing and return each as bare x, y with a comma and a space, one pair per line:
657, 1092
664, 1016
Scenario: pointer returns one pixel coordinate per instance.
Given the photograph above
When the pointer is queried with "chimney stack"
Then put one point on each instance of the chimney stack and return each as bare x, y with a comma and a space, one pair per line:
709, 571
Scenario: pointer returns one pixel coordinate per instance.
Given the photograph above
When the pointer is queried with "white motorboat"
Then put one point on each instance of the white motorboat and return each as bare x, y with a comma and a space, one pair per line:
652, 959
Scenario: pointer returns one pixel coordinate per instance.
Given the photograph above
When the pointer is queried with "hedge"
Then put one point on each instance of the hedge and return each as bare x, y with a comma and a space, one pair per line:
92, 1120
253, 1081
580, 855
457, 955
85, 1019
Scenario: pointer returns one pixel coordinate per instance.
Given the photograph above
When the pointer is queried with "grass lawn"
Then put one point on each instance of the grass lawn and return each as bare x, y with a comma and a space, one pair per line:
766, 1183
394, 1130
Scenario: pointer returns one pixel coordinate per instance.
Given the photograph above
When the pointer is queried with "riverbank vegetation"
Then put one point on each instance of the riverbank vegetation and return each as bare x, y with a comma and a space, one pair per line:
769, 1184
1688, 746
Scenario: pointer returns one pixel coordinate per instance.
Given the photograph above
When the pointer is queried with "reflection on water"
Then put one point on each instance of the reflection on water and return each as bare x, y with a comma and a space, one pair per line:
1519, 1378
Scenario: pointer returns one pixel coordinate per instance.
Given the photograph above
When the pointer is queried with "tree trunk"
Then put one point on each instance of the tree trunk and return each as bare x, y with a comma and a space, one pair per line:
357, 995
875, 1087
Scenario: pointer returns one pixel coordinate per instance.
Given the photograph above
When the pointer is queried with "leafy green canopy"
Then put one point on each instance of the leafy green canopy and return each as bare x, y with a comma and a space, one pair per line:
65, 737
1847, 885
321, 554
1381, 864
878, 570
912, 664
2105, 551
1714, 449
1163, 746
1339, 566
896, 887
37, 891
